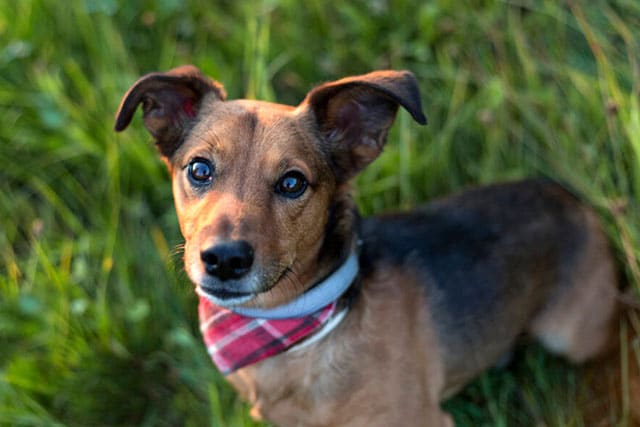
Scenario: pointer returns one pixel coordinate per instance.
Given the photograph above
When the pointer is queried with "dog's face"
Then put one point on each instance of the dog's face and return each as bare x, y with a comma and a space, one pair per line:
251, 190
261, 189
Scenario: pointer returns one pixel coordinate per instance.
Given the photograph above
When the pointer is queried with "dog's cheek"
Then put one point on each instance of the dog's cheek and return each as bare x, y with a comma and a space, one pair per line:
181, 202
311, 226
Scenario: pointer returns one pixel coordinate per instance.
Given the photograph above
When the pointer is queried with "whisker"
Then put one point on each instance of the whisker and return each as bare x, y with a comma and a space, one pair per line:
177, 249
293, 278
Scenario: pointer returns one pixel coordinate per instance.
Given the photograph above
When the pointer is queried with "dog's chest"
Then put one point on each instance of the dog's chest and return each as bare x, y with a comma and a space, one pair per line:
382, 356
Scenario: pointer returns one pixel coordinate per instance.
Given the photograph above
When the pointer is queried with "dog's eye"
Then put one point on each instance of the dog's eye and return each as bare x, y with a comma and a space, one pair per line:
200, 171
291, 185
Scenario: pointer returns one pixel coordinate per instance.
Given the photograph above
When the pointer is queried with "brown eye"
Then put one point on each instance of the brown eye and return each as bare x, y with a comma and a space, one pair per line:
200, 171
292, 185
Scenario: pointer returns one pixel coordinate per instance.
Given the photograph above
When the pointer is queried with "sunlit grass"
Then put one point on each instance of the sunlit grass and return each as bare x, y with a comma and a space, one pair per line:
97, 319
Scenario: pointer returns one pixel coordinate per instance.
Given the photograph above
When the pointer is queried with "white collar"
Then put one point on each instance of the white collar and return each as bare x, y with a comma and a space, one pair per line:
319, 296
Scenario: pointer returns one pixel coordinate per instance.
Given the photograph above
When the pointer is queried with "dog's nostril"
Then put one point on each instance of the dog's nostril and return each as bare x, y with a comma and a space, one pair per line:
210, 259
236, 264
228, 260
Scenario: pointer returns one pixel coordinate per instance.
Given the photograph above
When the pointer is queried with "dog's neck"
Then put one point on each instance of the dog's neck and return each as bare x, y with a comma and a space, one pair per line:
243, 336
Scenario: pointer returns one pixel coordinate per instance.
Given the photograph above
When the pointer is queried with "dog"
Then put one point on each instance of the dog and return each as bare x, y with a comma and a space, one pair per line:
321, 318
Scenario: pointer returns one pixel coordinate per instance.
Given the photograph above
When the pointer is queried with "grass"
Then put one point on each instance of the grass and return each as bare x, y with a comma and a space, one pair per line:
97, 319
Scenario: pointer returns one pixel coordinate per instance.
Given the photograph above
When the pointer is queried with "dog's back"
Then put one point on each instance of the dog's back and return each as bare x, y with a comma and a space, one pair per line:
500, 260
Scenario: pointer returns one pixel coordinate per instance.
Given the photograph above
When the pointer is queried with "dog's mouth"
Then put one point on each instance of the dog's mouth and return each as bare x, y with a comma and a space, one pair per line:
233, 298
224, 294
224, 298
253, 287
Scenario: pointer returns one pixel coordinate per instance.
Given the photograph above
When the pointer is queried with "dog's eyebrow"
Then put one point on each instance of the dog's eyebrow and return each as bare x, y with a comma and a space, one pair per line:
207, 140
208, 137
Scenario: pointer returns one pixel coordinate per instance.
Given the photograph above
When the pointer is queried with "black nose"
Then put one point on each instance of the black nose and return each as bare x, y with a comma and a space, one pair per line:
228, 260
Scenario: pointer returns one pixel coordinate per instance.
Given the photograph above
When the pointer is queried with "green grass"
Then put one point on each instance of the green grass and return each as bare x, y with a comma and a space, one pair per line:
97, 319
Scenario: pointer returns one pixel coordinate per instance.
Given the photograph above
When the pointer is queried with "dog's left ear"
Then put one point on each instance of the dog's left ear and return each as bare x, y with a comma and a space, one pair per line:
354, 115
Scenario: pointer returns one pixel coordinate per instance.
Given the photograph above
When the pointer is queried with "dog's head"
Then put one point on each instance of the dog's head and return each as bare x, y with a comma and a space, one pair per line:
261, 189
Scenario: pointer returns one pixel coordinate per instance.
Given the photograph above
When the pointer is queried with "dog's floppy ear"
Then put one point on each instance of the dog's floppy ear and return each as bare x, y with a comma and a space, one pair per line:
170, 103
354, 115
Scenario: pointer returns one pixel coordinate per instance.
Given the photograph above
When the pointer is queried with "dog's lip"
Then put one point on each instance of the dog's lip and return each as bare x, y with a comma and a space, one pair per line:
224, 298
224, 294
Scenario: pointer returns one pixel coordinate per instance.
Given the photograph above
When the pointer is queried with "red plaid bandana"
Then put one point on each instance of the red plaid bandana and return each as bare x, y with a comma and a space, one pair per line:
235, 341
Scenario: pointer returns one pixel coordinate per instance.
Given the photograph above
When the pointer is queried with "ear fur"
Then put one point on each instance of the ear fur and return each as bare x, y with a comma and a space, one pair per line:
354, 115
170, 104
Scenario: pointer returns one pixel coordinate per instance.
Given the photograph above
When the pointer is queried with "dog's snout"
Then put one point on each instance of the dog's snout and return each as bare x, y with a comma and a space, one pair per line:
228, 260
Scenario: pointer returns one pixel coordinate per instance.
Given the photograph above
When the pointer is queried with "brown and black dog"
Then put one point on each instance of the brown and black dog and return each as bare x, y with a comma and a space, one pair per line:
437, 295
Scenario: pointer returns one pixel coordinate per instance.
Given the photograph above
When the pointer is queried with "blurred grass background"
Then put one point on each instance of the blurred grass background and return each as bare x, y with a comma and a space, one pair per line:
97, 319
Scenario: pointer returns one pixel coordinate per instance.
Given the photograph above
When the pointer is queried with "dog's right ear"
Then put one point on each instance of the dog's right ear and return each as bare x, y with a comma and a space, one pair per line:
170, 103
354, 115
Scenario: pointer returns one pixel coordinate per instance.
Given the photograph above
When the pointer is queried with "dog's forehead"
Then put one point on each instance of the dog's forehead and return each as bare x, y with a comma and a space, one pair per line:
243, 112
241, 121
246, 129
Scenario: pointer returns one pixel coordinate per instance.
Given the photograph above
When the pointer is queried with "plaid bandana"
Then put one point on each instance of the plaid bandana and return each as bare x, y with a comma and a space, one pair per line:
235, 341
